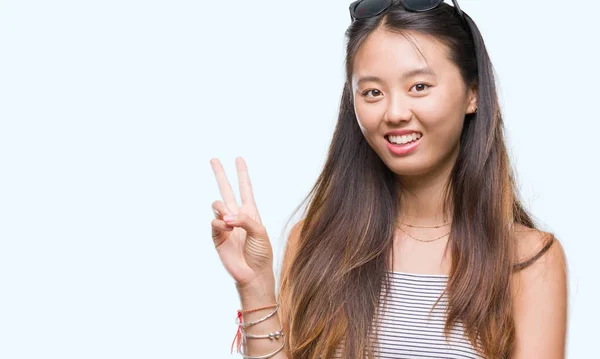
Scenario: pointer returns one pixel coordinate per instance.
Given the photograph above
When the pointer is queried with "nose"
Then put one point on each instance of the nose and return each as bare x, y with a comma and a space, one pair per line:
398, 110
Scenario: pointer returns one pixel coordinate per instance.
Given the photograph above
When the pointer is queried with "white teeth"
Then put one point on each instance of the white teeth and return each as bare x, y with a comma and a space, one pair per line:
404, 139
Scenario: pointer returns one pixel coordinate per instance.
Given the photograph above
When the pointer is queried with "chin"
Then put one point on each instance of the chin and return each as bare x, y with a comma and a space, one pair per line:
409, 169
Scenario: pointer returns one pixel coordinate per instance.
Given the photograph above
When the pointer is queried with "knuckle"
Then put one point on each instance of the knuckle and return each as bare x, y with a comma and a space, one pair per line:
217, 224
242, 217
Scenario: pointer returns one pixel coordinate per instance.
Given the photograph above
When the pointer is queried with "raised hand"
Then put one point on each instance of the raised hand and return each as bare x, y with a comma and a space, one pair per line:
237, 231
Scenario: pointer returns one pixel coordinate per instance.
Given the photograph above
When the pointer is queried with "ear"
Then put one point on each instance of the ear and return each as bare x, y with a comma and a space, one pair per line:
472, 107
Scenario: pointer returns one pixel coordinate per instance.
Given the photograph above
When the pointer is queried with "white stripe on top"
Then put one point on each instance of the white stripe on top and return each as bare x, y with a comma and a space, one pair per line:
407, 330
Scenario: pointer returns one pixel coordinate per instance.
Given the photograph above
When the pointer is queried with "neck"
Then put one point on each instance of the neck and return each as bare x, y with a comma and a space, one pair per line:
422, 197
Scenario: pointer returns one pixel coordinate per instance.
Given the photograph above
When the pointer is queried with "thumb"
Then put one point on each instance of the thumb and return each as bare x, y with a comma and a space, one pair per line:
243, 220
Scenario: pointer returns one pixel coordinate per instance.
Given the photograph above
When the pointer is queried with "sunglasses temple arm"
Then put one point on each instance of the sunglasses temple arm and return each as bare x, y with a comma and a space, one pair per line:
458, 9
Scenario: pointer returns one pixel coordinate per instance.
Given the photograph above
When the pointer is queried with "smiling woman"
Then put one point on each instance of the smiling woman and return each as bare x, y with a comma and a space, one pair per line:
398, 77
414, 243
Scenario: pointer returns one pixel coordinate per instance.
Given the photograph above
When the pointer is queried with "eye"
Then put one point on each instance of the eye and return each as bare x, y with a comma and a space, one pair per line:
421, 87
373, 91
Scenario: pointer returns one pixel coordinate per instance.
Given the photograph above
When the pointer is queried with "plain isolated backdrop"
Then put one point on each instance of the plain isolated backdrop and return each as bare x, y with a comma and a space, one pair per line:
111, 110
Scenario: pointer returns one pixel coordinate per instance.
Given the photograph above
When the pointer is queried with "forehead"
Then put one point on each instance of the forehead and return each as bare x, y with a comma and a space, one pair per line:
388, 54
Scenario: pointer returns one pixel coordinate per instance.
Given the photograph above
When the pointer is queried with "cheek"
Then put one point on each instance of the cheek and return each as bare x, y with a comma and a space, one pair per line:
444, 132
369, 123
442, 116
443, 126
367, 119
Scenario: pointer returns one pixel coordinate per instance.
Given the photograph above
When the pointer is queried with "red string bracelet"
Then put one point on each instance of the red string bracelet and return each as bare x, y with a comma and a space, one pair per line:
239, 320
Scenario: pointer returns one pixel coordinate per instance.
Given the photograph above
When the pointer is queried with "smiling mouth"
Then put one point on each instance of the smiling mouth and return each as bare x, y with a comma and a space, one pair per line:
404, 139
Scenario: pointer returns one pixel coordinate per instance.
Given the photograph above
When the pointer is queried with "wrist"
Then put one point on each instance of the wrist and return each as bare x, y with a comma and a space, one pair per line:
258, 292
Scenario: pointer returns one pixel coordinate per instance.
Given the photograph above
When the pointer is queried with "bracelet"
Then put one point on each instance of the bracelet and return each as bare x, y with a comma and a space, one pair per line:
249, 324
257, 309
266, 355
274, 335
239, 321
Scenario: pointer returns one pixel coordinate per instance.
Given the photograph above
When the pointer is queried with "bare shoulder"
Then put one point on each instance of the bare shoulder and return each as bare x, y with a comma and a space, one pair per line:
539, 252
539, 289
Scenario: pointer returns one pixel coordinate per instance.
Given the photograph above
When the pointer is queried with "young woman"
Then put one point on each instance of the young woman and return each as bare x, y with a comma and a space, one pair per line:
414, 243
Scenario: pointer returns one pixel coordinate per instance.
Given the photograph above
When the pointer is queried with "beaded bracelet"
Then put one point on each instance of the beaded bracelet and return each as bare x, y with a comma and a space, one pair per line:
266, 355
274, 335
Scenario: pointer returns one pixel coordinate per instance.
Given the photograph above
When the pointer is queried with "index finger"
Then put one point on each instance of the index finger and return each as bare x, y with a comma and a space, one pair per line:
224, 185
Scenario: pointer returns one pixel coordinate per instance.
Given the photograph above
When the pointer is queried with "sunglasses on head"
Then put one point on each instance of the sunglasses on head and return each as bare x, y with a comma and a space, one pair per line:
362, 9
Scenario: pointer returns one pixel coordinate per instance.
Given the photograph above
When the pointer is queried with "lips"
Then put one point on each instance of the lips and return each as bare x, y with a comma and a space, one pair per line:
409, 144
401, 132
404, 139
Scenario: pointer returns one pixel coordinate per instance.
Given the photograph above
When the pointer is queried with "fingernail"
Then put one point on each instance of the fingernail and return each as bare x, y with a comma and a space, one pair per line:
228, 217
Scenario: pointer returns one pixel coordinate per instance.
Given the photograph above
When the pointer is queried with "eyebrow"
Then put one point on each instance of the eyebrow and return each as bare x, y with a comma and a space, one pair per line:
411, 73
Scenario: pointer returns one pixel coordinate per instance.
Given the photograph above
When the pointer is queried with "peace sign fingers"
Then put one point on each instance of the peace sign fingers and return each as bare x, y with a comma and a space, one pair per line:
224, 185
237, 231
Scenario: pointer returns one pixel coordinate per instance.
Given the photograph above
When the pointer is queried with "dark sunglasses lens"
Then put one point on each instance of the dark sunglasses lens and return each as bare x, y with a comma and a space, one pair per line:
368, 8
421, 5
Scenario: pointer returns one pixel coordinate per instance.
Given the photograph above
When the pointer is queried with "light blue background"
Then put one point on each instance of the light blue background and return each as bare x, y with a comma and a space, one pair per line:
111, 110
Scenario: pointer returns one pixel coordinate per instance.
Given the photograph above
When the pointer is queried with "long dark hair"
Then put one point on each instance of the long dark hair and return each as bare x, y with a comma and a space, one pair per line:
331, 290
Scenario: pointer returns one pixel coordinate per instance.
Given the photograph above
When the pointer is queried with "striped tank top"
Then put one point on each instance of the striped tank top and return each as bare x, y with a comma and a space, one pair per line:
408, 330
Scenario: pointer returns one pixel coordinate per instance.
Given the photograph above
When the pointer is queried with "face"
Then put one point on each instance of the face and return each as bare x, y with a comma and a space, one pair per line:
421, 99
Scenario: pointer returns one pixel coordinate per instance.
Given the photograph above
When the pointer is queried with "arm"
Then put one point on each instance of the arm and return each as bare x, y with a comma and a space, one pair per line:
262, 294
244, 247
255, 295
540, 300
